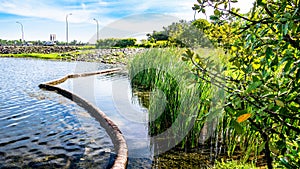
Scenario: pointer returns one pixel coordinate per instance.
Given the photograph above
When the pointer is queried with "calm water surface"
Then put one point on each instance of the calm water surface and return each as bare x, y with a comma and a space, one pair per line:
113, 95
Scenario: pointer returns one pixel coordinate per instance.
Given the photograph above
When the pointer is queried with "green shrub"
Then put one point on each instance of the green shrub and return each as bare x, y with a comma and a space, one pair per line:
113, 43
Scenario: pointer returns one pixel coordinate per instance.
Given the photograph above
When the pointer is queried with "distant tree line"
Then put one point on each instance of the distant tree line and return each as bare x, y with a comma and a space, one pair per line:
116, 43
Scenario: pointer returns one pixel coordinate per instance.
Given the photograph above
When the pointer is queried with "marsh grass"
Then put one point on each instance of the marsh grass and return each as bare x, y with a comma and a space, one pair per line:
178, 99
233, 164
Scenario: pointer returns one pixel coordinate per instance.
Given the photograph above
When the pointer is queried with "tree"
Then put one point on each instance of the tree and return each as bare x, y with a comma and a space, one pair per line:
182, 34
112, 42
157, 36
263, 71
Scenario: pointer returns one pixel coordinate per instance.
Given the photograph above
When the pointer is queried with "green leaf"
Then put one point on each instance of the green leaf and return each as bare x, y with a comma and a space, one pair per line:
188, 54
213, 17
261, 147
261, 2
255, 78
237, 126
253, 86
285, 163
295, 12
287, 15
281, 144
217, 12
285, 28
279, 103
253, 10
288, 65
269, 53
196, 7
274, 62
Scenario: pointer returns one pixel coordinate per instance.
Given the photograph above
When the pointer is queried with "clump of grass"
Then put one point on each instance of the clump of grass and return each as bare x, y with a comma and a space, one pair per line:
233, 164
179, 99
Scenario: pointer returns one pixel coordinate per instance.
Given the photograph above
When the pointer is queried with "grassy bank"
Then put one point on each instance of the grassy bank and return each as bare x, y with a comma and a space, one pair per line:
37, 55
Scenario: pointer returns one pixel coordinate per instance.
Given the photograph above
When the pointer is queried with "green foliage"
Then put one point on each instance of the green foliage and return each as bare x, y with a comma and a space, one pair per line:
113, 43
182, 34
157, 44
10, 42
233, 164
157, 36
292, 158
126, 42
262, 72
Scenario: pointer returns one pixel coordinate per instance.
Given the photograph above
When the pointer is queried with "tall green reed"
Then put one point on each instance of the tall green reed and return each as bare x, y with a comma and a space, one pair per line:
178, 98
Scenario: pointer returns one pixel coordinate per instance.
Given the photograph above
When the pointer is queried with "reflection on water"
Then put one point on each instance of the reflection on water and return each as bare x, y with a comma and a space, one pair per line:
41, 129
113, 95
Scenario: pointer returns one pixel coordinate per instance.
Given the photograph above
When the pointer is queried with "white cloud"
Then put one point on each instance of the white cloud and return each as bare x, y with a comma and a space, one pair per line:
103, 3
43, 9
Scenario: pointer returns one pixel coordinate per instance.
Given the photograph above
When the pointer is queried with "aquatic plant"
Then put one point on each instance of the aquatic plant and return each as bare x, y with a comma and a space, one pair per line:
178, 105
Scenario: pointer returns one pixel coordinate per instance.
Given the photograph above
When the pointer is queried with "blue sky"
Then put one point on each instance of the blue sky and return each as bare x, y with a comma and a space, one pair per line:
41, 18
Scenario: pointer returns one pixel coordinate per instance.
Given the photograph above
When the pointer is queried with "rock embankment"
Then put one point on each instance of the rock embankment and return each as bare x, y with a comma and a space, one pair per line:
108, 55
35, 49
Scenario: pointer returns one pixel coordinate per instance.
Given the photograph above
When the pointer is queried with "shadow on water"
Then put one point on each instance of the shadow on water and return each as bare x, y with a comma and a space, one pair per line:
113, 95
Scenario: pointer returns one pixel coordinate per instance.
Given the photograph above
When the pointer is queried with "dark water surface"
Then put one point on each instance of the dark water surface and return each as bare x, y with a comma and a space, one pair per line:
40, 129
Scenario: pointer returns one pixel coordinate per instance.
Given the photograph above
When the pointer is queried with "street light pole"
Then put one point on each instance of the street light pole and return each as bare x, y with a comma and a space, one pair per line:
97, 29
22, 29
67, 28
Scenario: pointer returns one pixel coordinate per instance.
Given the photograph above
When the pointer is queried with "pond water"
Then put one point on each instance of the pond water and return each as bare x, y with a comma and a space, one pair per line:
113, 95
40, 129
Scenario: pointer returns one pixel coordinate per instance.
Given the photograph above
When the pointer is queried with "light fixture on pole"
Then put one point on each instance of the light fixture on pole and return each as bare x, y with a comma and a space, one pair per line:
67, 28
22, 29
97, 29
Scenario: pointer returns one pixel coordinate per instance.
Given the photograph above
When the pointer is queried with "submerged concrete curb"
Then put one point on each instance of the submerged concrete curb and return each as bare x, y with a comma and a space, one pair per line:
110, 127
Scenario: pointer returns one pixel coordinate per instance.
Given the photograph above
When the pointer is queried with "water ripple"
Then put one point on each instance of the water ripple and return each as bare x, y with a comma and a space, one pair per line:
41, 129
